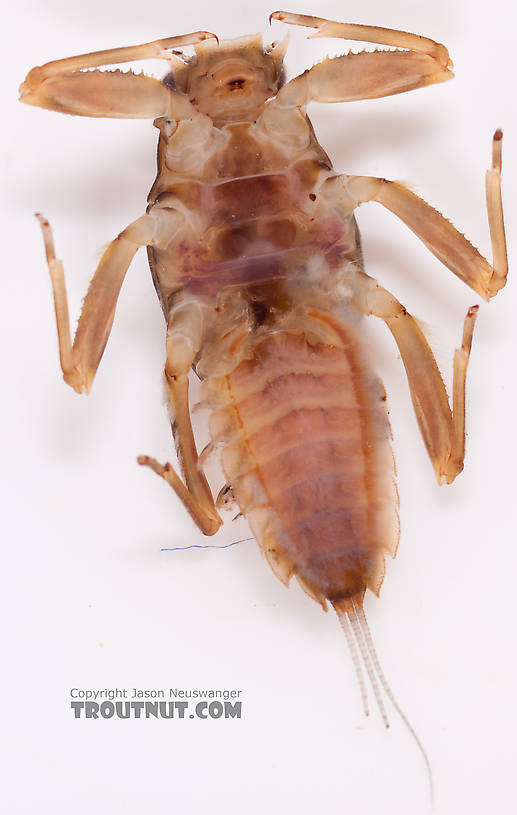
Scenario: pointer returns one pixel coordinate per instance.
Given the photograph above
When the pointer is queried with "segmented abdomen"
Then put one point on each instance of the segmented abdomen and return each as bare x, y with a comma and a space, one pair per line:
307, 452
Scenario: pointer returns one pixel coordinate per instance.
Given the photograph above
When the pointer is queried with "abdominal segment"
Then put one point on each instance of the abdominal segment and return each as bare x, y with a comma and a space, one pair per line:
307, 451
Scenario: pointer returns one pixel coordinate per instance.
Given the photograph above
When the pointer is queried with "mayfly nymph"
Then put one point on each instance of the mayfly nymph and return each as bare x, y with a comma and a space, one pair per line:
256, 259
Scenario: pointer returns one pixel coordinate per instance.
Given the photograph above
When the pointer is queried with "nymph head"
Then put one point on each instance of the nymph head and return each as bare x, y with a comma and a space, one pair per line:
231, 80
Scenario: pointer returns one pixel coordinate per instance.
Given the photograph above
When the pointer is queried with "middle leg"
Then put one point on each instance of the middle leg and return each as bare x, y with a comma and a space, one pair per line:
80, 360
437, 233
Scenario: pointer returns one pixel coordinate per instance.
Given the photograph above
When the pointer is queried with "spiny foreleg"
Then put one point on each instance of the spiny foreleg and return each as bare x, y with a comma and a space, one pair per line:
365, 75
67, 86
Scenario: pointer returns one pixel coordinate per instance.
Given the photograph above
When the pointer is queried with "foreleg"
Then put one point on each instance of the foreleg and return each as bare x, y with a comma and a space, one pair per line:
64, 85
364, 75
366, 33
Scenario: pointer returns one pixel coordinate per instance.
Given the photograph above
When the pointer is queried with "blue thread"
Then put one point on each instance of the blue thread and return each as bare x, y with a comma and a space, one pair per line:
204, 546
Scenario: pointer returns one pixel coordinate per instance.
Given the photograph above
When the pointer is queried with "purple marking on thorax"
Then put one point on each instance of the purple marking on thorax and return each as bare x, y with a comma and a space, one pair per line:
212, 277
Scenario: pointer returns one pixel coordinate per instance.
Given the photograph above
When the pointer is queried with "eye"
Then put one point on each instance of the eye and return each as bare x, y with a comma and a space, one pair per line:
235, 84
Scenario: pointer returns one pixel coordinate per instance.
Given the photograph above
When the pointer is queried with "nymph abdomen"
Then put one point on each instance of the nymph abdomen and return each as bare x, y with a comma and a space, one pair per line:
307, 451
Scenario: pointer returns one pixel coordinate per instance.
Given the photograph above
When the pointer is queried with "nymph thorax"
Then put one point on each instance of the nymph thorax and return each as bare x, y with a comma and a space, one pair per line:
254, 211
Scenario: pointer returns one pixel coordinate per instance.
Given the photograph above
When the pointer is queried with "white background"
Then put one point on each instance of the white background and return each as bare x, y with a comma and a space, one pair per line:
91, 601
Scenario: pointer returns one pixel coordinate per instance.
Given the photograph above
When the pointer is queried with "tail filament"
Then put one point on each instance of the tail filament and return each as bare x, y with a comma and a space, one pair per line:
346, 625
359, 638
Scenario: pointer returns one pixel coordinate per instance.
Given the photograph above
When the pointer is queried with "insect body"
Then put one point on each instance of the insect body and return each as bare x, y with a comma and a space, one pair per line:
256, 259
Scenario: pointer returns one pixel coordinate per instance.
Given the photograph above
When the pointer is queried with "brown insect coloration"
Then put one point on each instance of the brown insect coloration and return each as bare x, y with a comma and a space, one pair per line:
256, 259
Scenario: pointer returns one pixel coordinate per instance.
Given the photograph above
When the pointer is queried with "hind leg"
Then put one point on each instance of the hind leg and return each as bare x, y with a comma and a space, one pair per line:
443, 430
183, 341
